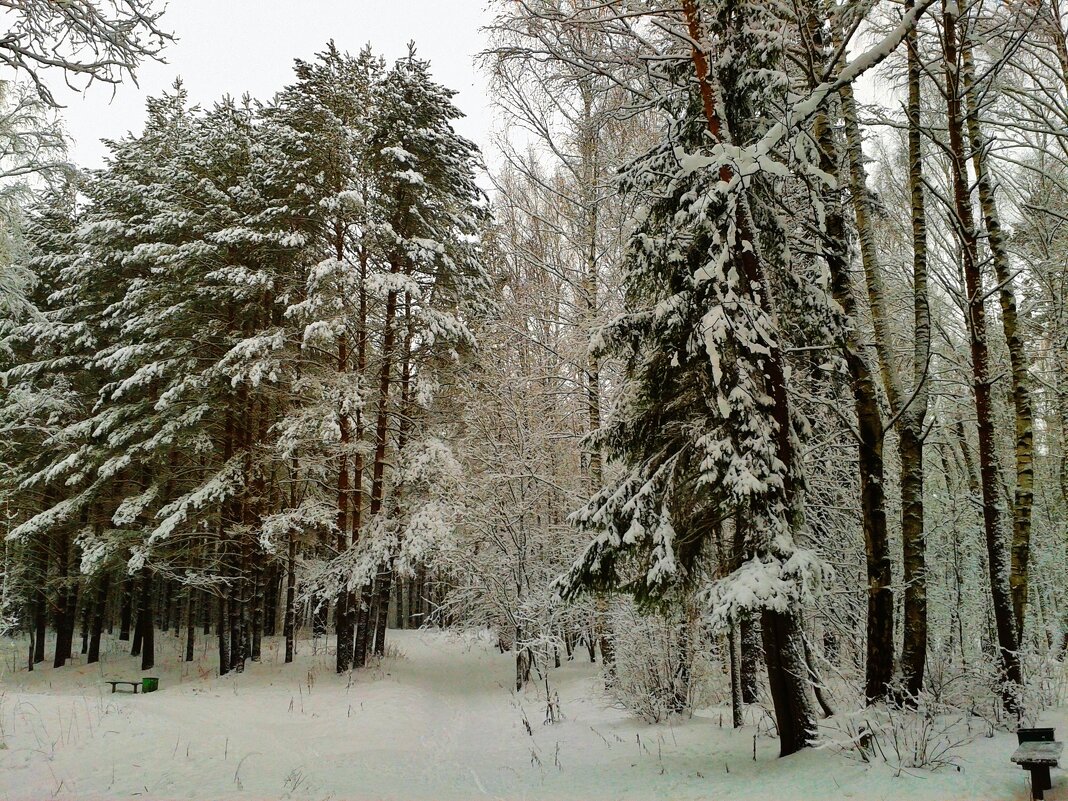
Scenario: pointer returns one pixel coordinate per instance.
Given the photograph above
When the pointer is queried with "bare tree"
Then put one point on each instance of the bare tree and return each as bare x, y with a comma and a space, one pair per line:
85, 40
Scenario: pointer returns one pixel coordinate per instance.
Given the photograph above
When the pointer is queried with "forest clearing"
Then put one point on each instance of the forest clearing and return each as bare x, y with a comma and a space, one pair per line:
435, 721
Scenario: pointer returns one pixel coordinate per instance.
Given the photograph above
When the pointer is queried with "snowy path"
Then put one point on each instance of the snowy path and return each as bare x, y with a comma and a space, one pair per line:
437, 723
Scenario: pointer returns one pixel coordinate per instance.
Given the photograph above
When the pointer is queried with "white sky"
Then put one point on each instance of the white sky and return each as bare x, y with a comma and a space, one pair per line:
238, 46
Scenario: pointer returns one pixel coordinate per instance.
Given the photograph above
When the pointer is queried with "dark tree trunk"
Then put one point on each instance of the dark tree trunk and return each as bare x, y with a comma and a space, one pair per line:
751, 654
998, 559
270, 606
784, 653
378, 471
237, 652
40, 622
320, 615
363, 624
223, 632
257, 608
38, 612
343, 619
879, 665
913, 532
99, 611
914, 644
63, 620
190, 623
291, 597
145, 622
735, 647
85, 616
385, 588
522, 660
126, 611
138, 635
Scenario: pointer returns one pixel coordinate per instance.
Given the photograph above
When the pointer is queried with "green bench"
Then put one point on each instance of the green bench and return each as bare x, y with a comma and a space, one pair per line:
148, 684
135, 684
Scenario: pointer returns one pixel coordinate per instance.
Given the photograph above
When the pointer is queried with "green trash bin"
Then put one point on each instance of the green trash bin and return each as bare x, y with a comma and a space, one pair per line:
149, 684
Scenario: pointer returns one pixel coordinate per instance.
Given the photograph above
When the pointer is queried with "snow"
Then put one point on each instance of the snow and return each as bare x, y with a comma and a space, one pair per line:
433, 721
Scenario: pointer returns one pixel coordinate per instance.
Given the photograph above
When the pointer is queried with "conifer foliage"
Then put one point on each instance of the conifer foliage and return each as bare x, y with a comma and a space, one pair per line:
237, 332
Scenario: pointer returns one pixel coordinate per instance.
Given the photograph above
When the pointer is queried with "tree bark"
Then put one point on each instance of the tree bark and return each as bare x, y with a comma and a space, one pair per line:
126, 611
879, 664
99, 611
997, 555
62, 621
190, 623
911, 411
291, 597
381, 437
145, 622
1018, 358
343, 615
913, 418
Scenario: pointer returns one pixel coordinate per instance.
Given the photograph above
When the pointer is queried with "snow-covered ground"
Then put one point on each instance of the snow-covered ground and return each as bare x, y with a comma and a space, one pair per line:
434, 721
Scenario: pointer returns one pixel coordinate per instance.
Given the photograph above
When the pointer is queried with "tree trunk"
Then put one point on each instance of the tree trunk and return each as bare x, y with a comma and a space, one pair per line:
997, 553
1018, 359
145, 622
85, 617
223, 632
40, 610
735, 647
99, 611
190, 623
257, 608
63, 620
784, 652
879, 665
269, 579
384, 587
343, 615
914, 418
291, 597
751, 652
126, 611
381, 436
911, 411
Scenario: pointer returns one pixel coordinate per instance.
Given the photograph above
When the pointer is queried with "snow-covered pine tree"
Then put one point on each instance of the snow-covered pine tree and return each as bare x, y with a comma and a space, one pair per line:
706, 426
322, 123
427, 213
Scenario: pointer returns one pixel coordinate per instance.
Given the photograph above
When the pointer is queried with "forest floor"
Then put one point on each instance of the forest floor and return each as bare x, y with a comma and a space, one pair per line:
436, 720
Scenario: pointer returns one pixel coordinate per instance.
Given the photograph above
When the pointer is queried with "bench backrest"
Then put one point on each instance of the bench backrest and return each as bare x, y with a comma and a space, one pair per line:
1039, 735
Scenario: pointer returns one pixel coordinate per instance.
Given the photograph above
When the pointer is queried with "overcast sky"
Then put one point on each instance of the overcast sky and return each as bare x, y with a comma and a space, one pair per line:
238, 46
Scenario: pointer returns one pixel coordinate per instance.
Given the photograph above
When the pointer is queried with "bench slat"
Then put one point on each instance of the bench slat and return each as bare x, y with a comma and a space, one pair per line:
1038, 753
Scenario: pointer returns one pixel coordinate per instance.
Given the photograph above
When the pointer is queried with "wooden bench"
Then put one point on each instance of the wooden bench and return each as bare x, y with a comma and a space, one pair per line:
1038, 752
135, 684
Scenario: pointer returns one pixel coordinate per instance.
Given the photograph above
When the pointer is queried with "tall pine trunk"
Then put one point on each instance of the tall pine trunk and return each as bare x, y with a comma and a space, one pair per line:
126, 608
63, 620
378, 472
190, 623
99, 611
386, 576
145, 621
342, 613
